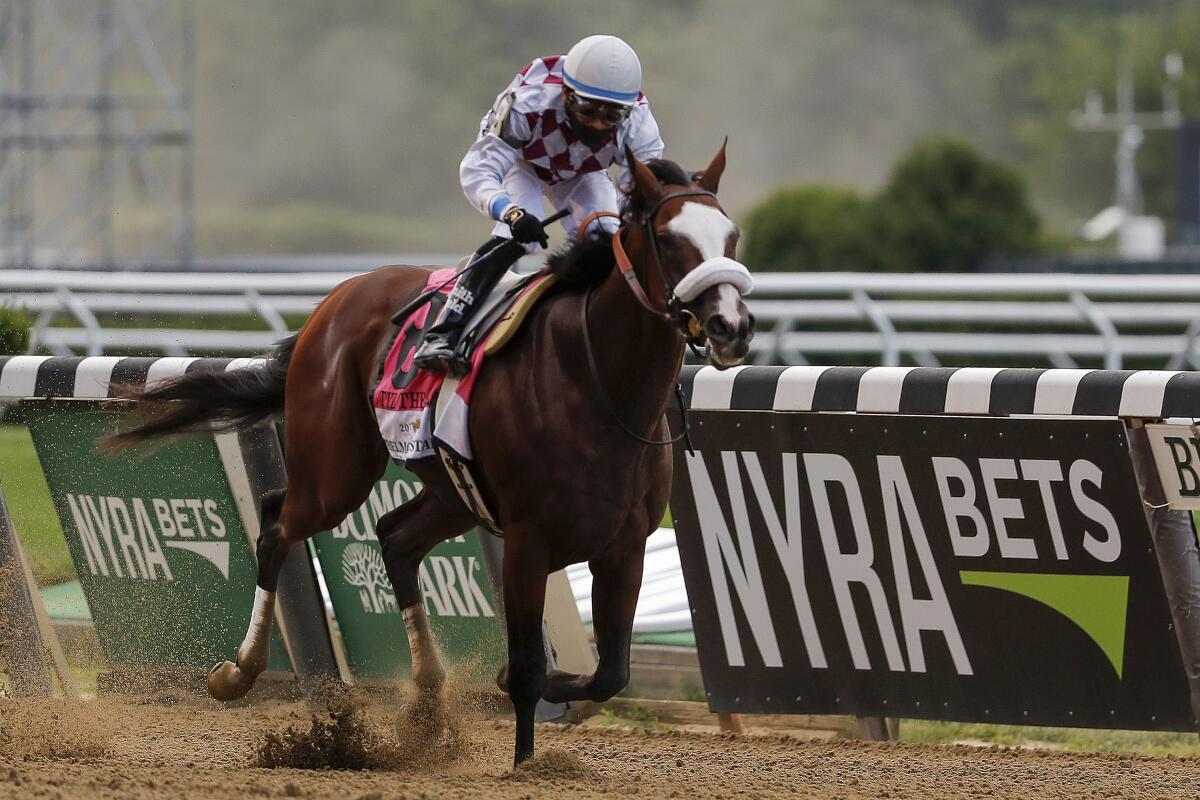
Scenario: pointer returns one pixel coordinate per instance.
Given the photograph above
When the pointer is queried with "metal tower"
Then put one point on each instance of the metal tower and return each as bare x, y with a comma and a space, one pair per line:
96, 133
1139, 236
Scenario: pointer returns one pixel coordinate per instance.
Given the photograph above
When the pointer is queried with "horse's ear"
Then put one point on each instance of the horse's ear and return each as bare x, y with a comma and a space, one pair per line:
645, 180
711, 178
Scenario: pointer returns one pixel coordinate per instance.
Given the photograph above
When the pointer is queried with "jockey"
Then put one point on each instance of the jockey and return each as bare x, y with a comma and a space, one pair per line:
553, 132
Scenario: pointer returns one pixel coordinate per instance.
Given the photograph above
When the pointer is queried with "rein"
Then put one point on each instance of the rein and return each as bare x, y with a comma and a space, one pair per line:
671, 310
606, 401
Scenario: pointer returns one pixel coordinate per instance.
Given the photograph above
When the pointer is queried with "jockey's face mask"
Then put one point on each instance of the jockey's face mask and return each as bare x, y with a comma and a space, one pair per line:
593, 120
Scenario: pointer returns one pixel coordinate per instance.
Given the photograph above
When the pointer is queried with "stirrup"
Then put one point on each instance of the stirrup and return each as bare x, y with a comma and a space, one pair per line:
453, 365
440, 354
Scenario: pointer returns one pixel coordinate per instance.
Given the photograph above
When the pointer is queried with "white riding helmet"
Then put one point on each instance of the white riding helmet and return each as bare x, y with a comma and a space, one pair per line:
604, 68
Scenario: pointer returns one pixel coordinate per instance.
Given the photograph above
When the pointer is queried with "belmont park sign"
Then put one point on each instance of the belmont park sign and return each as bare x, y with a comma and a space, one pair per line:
453, 581
959, 568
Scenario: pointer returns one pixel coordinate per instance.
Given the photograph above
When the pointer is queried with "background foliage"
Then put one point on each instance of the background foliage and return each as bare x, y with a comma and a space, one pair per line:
816, 228
14, 331
340, 126
944, 208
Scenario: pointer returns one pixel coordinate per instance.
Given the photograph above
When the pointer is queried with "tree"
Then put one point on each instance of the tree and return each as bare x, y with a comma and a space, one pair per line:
362, 566
809, 228
946, 208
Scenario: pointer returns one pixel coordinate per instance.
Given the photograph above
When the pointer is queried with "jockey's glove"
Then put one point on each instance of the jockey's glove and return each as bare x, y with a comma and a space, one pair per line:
525, 227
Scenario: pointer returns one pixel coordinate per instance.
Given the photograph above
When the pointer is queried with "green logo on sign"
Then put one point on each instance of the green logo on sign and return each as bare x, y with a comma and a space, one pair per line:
1096, 603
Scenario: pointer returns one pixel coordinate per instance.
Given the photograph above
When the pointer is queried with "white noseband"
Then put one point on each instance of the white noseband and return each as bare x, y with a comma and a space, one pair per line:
709, 273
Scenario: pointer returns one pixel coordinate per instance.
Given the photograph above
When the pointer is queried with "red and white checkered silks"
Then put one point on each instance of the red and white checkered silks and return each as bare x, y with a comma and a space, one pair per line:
553, 151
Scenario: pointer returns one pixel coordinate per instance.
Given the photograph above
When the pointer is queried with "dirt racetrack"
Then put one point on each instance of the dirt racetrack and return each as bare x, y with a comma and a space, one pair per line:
111, 749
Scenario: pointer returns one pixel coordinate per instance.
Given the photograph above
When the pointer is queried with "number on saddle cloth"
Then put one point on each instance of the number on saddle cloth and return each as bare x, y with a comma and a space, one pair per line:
413, 338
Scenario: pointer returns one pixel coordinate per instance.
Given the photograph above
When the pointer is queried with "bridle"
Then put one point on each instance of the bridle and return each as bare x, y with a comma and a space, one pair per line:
671, 310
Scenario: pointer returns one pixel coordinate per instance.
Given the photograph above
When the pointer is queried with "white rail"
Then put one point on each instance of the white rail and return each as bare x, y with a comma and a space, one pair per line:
889, 319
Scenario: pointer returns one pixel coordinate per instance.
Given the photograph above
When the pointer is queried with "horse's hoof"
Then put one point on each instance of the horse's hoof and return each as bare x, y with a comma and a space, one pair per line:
227, 681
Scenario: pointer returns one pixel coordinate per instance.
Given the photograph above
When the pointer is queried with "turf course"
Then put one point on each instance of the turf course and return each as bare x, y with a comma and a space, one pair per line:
31, 509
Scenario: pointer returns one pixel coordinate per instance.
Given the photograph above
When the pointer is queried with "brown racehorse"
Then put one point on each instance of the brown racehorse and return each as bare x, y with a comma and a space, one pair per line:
567, 424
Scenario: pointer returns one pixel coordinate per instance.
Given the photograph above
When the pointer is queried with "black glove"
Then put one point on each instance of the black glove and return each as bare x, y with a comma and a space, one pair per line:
526, 228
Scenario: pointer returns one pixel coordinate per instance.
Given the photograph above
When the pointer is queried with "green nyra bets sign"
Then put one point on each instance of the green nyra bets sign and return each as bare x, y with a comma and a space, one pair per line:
156, 538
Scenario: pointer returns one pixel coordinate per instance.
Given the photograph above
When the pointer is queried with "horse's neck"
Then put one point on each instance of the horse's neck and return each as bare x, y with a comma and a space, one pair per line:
638, 354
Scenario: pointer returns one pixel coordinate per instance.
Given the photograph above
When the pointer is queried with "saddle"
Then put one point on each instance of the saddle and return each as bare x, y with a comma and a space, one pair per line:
502, 312
422, 413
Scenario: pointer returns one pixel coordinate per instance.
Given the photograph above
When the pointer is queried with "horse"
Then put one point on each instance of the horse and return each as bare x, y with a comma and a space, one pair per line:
568, 427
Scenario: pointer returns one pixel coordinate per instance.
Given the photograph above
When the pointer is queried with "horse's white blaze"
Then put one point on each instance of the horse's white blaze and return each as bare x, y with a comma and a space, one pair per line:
706, 227
727, 303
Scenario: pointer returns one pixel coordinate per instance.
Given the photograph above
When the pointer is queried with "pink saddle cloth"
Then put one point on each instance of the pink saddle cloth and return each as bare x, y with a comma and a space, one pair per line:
406, 399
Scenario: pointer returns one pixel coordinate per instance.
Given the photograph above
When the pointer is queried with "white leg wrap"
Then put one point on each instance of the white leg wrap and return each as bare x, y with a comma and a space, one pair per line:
256, 647
428, 672
229, 681
260, 617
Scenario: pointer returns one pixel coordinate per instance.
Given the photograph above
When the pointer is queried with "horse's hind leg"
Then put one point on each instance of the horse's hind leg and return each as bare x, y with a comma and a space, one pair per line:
617, 578
406, 534
321, 490
230, 680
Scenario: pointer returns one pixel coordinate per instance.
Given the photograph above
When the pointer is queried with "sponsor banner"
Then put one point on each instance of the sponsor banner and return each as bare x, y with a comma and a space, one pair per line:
156, 539
454, 587
993, 570
1176, 451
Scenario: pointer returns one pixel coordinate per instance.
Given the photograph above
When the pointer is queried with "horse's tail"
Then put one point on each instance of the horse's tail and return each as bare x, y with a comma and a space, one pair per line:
204, 402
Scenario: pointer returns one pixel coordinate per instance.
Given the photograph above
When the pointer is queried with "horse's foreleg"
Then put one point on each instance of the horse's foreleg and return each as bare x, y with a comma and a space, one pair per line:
616, 580
230, 680
406, 534
524, 602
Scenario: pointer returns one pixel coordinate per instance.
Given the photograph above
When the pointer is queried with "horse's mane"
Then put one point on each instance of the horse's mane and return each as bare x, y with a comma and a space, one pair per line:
587, 262
580, 265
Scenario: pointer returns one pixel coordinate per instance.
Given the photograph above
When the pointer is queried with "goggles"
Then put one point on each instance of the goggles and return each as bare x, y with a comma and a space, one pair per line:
608, 113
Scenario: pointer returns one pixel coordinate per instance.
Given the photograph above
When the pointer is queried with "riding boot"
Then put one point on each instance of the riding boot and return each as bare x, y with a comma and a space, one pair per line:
440, 349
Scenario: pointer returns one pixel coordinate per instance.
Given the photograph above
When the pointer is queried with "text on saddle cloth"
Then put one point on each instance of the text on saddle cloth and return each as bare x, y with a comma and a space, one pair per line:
405, 399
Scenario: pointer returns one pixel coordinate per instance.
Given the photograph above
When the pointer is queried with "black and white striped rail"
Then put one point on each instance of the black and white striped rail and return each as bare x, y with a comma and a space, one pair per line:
1146, 394
89, 378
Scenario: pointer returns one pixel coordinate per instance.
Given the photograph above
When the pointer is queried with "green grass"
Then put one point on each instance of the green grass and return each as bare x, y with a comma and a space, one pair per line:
1077, 739
31, 509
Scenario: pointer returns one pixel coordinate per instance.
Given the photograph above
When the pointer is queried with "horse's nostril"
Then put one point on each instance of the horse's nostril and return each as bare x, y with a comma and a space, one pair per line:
717, 329
749, 321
